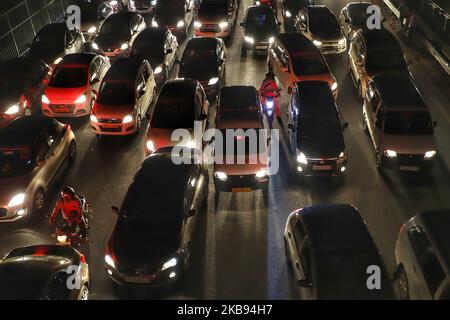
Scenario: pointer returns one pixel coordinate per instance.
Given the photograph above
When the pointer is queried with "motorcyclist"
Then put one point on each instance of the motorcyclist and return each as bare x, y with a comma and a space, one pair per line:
269, 88
71, 209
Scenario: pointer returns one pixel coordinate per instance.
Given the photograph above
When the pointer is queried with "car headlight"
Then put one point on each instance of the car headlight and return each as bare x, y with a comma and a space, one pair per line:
154, 24
93, 118
430, 154
169, 264
287, 14
17, 200
258, 3
81, 99
150, 146
127, 119
12, 110
213, 81
124, 46
180, 24
223, 25
92, 30
57, 60
197, 24
334, 86
249, 39
110, 261
341, 158
221, 175
301, 158
390, 153
271, 39
317, 43
157, 70
45, 99
95, 46
341, 42
262, 173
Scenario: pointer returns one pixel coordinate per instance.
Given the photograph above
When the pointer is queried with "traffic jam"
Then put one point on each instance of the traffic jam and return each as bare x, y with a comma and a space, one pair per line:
224, 149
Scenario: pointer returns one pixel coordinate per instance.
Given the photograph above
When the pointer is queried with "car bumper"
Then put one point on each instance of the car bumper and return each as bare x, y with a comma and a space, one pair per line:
65, 110
12, 214
241, 183
114, 129
158, 280
257, 46
205, 33
319, 169
408, 163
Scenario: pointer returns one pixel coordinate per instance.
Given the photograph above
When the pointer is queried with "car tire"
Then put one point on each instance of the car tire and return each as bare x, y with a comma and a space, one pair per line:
72, 152
84, 293
39, 200
402, 282
243, 52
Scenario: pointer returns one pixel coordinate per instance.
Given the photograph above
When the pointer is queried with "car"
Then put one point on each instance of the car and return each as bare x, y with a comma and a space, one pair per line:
374, 52
74, 85
292, 58
399, 124
216, 18
160, 48
180, 105
331, 254
315, 130
260, 28
32, 149
43, 272
20, 87
93, 14
142, 6
176, 15
354, 17
319, 24
204, 60
54, 41
240, 113
290, 9
126, 94
118, 33
423, 258
151, 242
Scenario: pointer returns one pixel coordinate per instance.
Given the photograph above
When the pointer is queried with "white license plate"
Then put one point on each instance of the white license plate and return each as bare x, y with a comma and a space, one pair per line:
322, 168
261, 47
138, 280
409, 168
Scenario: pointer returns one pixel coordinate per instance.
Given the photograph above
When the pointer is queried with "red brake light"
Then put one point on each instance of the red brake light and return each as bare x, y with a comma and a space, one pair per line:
82, 258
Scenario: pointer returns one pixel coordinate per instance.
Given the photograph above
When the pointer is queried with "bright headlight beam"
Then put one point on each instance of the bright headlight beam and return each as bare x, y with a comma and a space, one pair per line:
170, 264
17, 200
12, 109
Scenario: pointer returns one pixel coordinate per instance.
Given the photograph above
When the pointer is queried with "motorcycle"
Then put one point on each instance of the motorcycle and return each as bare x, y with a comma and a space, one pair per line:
270, 3
268, 103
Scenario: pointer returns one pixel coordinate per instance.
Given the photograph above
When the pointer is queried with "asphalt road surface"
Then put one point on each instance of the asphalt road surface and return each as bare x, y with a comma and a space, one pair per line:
238, 251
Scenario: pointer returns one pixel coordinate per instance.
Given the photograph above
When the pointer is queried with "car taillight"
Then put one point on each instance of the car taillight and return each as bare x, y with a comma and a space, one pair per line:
82, 258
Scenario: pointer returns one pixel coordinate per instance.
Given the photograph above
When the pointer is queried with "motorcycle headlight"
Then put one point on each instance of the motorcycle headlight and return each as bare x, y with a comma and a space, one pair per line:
154, 24
197, 24
17, 200
301, 158
317, 43
12, 110
127, 119
213, 81
390, 153
57, 60
249, 39
157, 70
150, 146
169, 264
110, 261
62, 239
81, 99
334, 86
93, 118
124, 46
92, 30
287, 14
45, 99
262, 173
223, 25
95, 46
430, 154
180, 24
221, 175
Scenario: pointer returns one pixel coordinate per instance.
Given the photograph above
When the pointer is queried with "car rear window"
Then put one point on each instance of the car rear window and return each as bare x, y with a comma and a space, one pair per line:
172, 113
69, 78
16, 162
116, 93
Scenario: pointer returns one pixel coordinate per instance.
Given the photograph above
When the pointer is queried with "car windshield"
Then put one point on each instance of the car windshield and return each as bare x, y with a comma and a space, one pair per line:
116, 29
385, 58
206, 56
69, 78
116, 93
213, 8
322, 21
306, 65
154, 51
16, 162
257, 22
408, 123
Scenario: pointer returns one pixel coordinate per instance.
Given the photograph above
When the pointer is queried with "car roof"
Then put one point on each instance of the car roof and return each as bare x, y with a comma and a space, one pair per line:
315, 96
124, 69
24, 131
202, 43
399, 92
77, 60
238, 97
379, 38
296, 42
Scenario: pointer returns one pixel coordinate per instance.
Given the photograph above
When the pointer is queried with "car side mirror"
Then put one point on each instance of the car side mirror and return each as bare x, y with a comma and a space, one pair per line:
304, 284
344, 125
203, 117
191, 213
169, 51
115, 210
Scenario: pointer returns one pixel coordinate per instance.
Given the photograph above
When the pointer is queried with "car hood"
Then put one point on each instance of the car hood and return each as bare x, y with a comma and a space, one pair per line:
63, 95
327, 145
140, 244
107, 41
198, 71
12, 186
240, 169
261, 35
411, 144
327, 35
112, 112
162, 137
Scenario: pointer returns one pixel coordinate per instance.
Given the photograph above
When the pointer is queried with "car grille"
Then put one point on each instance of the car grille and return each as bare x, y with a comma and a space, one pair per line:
242, 180
138, 271
210, 28
323, 162
62, 108
117, 129
3, 212
410, 158
110, 120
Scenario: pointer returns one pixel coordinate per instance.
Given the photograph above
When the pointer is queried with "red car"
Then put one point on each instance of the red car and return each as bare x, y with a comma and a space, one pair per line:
73, 86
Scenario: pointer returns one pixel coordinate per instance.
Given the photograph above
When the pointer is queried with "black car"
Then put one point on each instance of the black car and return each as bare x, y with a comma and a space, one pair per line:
150, 244
332, 255
176, 15
260, 29
93, 13
315, 130
216, 18
354, 17
44, 272
54, 41
20, 87
159, 47
290, 9
117, 34
204, 60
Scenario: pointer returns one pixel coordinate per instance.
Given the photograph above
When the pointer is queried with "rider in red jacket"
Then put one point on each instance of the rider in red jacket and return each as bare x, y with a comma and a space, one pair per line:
269, 88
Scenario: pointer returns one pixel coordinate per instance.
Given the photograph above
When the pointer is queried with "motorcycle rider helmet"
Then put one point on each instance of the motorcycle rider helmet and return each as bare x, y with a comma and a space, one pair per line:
68, 192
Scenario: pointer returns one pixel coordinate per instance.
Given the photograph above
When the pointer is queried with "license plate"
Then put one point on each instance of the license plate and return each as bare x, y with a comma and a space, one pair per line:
409, 168
138, 279
62, 109
322, 168
110, 126
261, 47
241, 189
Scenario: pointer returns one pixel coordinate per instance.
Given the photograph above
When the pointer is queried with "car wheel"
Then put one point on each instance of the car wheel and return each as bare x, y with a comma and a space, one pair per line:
39, 200
27, 112
403, 287
84, 293
72, 153
243, 51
